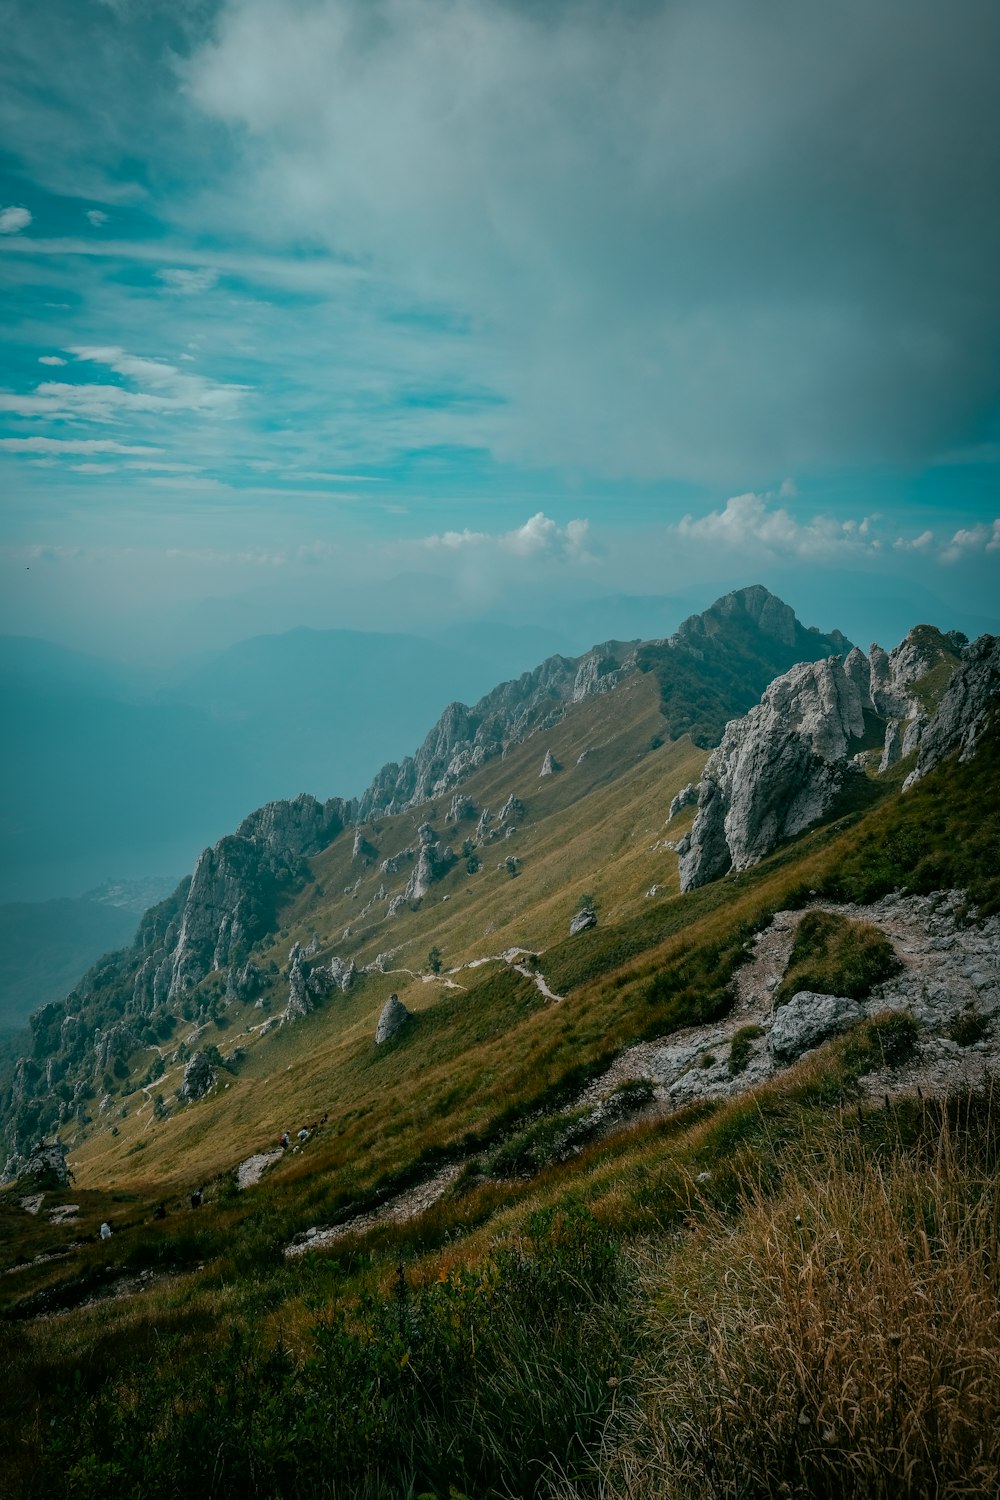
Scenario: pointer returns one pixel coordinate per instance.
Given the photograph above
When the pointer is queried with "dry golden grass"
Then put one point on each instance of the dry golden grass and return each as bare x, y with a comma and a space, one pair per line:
839, 1339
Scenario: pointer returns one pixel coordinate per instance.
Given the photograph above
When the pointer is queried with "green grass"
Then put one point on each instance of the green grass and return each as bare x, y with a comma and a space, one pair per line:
833, 955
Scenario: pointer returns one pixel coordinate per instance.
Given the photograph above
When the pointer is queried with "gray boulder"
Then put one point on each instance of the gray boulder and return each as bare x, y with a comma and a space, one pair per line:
807, 1020
199, 1076
585, 917
549, 765
393, 1018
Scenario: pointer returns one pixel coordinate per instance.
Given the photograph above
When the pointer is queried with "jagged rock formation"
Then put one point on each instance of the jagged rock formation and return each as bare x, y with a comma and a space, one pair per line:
965, 708
46, 1166
784, 764
464, 738
210, 922
362, 848
686, 797
549, 765
393, 1018
434, 860
585, 917
199, 1077
236, 886
460, 809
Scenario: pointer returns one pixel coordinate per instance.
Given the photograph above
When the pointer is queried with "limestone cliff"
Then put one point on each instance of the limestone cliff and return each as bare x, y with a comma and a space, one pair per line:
783, 766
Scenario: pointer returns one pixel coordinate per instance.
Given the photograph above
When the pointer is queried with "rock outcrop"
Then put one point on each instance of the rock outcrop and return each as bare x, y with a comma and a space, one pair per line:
777, 771
785, 764
965, 708
393, 1018
46, 1167
463, 738
549, 765
686, 797
585, 917
199, 1077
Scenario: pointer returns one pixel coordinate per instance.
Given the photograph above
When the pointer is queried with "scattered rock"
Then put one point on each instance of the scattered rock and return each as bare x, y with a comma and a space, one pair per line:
585, 917
396, 905
549, 765
393, 1018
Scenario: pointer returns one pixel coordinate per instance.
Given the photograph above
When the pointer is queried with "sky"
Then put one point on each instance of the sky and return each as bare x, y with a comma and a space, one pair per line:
399, 313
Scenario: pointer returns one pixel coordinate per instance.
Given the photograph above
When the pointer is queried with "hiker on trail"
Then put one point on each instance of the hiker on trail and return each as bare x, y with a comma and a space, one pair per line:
284, 1140
325, 1118
160, 1211
303, 1134
105, 1230
198, 1198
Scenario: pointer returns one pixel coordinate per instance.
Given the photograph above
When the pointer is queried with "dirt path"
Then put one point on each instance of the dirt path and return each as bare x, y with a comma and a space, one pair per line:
408, 1205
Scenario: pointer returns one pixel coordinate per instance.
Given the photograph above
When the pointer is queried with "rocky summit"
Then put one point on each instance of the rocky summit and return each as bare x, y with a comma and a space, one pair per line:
788, 762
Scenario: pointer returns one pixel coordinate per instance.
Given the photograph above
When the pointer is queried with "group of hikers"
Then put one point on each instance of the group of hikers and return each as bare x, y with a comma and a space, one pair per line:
302, 1135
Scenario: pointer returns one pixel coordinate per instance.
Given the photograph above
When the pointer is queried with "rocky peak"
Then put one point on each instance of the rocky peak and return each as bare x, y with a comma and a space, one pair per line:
783, 765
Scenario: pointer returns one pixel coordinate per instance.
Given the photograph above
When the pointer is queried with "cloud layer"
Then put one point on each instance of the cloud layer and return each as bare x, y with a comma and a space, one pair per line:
694, 239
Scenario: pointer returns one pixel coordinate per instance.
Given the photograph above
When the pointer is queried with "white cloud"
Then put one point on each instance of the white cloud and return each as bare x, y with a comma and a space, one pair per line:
539, 534
13, 220
914, 544
98, 218
982, 538
164, 391
188, 283
74, 445
748, 522
94, 468
51, 359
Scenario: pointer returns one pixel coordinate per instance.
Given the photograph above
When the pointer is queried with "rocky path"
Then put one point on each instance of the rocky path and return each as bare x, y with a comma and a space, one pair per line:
408, 1205
249, 1172
948, 969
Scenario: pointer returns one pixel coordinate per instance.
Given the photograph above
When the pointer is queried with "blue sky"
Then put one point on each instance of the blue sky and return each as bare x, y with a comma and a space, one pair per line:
309, 302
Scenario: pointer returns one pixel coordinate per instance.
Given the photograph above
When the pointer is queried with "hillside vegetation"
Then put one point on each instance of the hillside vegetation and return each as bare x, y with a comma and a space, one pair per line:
498, 1264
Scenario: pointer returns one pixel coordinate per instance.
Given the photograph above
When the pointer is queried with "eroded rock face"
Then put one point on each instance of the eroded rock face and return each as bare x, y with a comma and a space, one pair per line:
392, 1020
808, 1019
199, 1077
783, 766
464, 738
964, 711
46, 1166
777, 770
549, 765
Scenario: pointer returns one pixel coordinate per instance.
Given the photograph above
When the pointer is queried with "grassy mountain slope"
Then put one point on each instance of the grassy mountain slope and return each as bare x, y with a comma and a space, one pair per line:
397, 1362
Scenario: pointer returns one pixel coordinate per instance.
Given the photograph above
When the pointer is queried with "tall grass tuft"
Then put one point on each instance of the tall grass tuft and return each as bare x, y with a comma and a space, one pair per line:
840, 1340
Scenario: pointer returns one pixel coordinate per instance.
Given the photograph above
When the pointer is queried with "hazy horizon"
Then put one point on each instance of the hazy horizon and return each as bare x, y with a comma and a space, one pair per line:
501, 327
